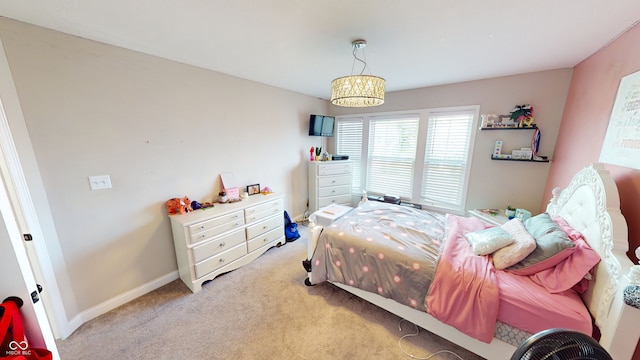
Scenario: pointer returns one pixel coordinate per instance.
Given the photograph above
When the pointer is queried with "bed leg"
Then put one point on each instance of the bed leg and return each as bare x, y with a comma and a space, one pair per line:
306, 264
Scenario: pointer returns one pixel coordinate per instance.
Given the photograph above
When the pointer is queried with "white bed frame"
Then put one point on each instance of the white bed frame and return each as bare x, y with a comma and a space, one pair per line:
590, 204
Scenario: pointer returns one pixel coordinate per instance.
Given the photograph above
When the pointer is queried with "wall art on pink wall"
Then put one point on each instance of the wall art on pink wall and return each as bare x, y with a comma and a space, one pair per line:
622, 141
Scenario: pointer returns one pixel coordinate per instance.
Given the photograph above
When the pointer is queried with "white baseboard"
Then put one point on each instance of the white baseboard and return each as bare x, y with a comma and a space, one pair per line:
121, 299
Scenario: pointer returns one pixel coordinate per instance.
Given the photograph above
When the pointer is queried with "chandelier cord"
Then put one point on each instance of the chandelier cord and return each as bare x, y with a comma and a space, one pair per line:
355, 56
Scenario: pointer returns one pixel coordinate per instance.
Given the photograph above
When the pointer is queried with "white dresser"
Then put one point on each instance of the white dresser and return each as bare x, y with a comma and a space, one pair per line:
329, 183
223, 238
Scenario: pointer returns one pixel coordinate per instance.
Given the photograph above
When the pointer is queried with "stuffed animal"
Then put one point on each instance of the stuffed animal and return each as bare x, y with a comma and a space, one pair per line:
178, 205
523, 115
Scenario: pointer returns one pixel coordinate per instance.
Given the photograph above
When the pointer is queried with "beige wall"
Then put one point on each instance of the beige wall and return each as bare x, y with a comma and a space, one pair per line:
495, 184
160, 129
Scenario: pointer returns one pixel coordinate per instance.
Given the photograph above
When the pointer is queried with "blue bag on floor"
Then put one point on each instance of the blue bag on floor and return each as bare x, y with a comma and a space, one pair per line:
290, 228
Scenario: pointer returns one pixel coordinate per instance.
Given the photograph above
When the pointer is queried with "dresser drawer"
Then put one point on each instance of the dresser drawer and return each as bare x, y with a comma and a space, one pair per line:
334, 191
217, 230
213, 263
266, 238
277, 207
215, 222
264, 226
334, 180
262, 207
334, 169
340, 199
218, 245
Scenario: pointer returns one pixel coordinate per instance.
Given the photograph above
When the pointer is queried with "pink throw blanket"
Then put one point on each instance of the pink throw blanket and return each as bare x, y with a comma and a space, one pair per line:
464, 292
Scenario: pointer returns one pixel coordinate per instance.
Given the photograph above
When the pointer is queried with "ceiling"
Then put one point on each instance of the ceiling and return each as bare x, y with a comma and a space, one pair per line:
301, 45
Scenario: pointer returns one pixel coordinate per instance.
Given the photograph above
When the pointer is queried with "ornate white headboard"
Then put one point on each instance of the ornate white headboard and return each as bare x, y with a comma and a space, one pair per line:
591, 205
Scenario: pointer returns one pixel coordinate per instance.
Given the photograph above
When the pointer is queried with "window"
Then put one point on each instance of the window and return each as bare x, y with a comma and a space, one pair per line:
422, 156
392, 155
447, 152
349, 142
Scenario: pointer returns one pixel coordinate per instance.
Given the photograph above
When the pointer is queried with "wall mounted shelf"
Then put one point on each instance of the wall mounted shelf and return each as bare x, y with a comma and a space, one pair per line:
509, 128
498, 147
536, 161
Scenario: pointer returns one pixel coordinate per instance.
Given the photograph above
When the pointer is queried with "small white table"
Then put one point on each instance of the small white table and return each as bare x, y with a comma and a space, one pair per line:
492, 216
328, 214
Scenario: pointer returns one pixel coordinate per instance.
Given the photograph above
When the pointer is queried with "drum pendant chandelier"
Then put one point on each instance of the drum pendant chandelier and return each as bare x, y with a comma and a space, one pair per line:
358, 90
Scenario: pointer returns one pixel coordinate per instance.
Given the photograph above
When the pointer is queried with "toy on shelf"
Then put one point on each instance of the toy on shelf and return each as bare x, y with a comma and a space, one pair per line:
523, 115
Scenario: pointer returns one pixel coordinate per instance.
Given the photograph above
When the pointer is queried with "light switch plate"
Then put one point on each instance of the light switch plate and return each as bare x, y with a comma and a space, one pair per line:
100, 182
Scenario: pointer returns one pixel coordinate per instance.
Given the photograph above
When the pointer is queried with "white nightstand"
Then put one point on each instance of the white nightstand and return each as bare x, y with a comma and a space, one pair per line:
491, 216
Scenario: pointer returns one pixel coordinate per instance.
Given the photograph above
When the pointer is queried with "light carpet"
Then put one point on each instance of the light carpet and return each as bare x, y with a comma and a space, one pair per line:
260, 311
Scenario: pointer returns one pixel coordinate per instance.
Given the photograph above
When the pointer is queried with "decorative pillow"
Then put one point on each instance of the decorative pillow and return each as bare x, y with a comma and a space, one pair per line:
522, 246
484, 242
569, 272
552, 246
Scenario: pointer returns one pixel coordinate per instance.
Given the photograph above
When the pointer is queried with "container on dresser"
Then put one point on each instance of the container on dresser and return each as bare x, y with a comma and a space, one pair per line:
223, 238
329, 183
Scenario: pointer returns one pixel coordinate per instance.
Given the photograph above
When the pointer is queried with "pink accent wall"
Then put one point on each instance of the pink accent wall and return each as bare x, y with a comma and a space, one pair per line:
584, 124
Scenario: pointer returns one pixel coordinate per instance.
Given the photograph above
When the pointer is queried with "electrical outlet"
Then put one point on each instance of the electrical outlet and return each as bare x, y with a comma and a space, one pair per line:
99, 182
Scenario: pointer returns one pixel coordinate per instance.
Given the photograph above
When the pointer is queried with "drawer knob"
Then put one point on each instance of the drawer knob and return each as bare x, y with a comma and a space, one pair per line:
222, 260
223, 244
265, 227
201, 227
203, 236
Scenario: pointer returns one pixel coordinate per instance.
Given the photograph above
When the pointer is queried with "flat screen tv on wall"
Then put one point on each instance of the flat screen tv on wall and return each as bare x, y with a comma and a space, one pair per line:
321, 125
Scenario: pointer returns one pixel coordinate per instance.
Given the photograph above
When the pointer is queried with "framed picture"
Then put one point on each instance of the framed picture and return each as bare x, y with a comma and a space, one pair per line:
253, 189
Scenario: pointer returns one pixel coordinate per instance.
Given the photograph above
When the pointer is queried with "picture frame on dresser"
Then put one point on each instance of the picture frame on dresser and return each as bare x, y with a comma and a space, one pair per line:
253, 189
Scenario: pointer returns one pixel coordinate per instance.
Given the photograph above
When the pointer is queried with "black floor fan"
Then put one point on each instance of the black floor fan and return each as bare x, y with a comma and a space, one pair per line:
560, 344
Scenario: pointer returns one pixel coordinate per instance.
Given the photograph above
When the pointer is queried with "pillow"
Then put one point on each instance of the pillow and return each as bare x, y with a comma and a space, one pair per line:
484, 242
552, 246
572, 233
571, 271
522, 246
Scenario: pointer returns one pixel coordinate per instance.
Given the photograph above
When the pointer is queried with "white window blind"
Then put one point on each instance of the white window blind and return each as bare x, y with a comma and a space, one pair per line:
349, 142
392, 152
446, 158
423, 156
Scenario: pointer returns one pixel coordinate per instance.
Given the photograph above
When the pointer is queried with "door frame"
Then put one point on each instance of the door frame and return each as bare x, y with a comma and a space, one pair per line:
22, 206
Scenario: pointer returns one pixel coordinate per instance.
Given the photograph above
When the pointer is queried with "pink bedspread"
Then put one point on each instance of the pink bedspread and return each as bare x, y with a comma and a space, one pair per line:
529, 307
464, 292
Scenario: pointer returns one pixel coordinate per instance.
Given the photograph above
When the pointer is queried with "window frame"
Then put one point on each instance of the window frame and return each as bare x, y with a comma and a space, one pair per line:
419, 159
